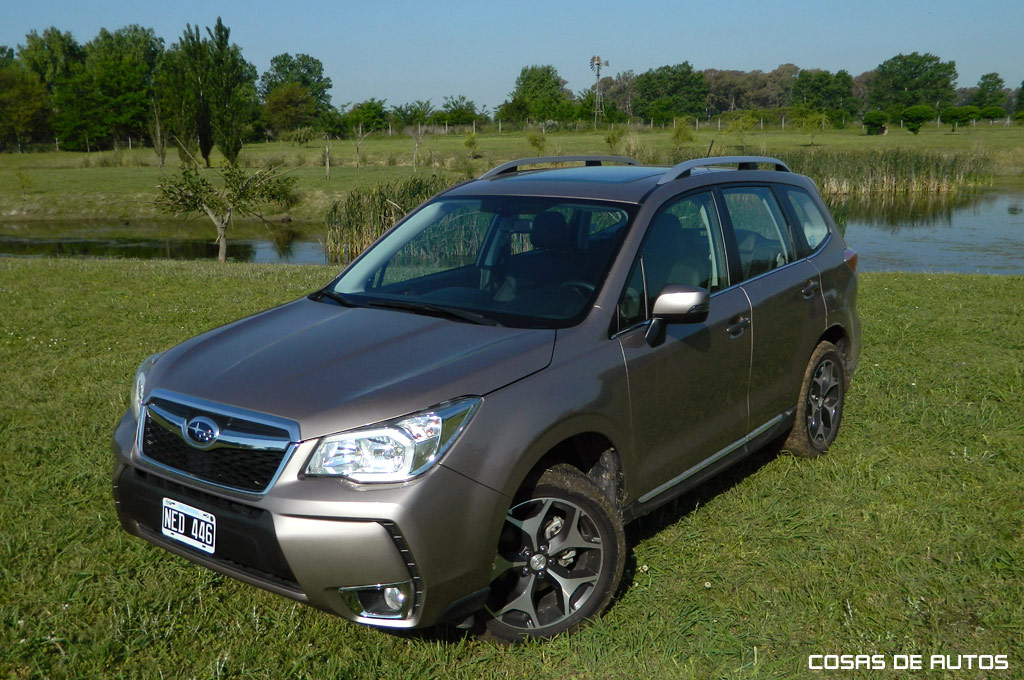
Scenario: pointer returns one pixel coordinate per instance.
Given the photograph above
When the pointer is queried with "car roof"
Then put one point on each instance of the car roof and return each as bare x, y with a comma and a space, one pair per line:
622, 183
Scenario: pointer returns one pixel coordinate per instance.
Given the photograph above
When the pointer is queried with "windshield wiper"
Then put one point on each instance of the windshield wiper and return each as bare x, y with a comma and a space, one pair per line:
342, 300
434, 310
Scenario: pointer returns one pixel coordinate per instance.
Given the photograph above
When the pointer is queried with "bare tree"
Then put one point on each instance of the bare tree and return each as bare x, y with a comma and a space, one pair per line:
360, 137
417, 133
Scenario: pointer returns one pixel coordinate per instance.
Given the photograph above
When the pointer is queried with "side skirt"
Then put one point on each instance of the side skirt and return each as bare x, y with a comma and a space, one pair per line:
710, 466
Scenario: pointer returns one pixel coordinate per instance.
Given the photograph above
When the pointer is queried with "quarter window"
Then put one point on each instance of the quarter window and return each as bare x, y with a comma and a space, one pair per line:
813, 226
761, 233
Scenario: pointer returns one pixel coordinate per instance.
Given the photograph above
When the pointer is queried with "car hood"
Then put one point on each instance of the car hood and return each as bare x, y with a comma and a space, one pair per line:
332, 368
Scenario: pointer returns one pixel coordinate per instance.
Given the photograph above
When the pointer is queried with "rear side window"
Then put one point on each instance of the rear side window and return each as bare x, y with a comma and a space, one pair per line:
812, 225
762, 235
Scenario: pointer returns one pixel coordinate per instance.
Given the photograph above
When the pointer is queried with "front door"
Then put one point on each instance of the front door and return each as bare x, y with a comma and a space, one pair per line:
689, 393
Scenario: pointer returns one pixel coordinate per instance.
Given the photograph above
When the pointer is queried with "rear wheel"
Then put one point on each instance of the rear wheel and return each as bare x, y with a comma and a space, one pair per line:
820, 408
560, 558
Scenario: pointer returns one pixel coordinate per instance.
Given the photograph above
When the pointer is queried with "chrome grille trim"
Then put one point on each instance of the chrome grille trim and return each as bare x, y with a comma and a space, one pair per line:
242, 431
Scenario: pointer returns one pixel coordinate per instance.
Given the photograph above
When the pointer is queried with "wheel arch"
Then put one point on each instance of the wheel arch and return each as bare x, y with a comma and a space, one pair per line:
838, 336
591, 452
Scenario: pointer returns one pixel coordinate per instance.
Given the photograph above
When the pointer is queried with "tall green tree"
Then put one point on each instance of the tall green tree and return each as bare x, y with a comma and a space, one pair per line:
23, 105
232, 93
991, 92
413, 113
540, 94
289, 106
458, 110
51, 55
1018, 103
120, 67
911, 79
619, 92
183, 84
79, 119
301, 68
207, 91
6, 56
670, 91
368, 116
823, 91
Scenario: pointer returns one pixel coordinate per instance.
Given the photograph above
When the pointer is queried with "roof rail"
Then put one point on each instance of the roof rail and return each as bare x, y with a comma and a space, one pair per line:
744, 163
513, 166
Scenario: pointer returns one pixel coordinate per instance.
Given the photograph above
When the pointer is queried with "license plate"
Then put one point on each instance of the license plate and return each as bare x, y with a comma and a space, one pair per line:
189, 525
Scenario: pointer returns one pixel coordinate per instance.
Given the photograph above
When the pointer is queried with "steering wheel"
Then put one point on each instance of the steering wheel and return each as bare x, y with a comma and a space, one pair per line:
584, 288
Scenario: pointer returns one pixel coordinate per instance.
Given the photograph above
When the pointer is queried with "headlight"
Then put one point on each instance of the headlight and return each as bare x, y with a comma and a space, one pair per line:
139, 385
394, 451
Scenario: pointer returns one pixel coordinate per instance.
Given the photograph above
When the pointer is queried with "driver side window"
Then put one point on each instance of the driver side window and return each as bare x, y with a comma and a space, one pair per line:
683, 246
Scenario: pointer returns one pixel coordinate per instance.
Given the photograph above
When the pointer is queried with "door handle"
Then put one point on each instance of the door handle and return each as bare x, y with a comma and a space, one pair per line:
736, 328
810, 286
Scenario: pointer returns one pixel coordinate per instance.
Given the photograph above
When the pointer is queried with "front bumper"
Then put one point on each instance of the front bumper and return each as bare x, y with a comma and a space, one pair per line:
314, 540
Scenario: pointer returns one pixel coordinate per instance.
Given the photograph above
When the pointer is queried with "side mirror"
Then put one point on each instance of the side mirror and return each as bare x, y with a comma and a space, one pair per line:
682, 304
677, 304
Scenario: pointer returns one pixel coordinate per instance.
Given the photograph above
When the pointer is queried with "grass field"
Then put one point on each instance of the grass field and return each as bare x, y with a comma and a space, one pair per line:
122, 185
906, 539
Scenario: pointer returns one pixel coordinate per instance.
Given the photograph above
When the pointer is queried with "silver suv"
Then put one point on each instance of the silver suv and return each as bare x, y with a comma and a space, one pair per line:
457, 428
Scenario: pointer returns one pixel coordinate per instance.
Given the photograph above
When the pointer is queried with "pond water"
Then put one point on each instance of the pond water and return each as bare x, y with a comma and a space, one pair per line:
975, 233
978, 232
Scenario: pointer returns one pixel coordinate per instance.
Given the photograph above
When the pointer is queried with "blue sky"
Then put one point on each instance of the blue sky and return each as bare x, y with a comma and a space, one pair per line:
402, 51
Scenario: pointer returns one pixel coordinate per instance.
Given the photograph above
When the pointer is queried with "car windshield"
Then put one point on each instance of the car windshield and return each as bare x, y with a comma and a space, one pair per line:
518, 261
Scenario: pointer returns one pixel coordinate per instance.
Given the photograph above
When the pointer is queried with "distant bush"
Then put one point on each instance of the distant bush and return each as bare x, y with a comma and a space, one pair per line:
993, 112
916, 116
874, 122
537, 140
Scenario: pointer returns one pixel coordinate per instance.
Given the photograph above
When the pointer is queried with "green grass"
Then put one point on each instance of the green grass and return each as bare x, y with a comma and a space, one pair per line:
905, 539
122, 185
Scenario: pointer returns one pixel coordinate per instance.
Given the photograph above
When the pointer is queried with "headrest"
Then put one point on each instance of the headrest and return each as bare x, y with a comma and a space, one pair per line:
551, 232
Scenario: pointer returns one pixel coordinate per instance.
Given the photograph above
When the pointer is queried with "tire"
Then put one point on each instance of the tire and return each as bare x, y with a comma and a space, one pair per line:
820, 409
560, 559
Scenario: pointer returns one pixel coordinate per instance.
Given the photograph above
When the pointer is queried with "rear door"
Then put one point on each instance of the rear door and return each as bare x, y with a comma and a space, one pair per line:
784, 290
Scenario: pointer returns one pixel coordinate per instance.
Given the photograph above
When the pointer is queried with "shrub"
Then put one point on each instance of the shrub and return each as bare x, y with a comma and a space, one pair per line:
916, 116
993, 112
537, 140
874, 122
613, 138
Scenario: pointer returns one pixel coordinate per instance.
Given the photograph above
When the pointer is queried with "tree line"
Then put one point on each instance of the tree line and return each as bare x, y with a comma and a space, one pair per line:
124, 87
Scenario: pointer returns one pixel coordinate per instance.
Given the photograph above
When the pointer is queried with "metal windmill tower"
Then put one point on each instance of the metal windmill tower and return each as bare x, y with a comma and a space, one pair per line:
595, 66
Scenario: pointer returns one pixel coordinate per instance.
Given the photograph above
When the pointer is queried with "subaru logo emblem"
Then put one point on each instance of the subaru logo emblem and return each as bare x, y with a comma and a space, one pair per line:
202, 432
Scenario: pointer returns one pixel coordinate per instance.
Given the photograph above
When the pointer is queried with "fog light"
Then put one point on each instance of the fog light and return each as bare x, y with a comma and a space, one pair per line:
394, 598
391, 601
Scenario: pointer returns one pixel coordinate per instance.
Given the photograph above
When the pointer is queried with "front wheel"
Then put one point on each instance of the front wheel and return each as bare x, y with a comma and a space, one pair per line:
560, 559
821, 403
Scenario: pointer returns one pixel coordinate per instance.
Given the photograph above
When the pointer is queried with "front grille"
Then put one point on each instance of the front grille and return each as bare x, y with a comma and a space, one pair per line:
246, 458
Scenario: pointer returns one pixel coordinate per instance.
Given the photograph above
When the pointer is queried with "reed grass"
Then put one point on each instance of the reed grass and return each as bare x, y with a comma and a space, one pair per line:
365, 213
891, 170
